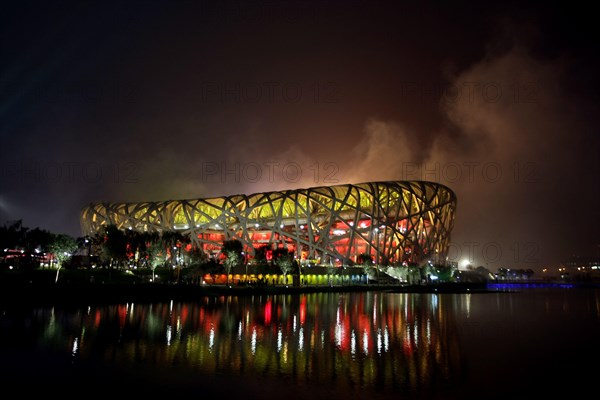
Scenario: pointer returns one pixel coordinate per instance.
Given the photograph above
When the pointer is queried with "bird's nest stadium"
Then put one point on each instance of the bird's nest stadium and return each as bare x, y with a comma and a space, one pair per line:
392, 221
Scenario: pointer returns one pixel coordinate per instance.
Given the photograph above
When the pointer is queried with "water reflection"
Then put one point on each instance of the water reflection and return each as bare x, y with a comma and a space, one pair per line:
351, 343
322, 345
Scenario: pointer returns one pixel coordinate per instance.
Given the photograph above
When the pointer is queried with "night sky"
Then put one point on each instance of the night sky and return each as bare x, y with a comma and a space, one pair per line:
152, 100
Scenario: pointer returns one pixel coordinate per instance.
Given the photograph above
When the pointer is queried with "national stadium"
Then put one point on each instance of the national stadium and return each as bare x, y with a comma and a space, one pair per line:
392, 221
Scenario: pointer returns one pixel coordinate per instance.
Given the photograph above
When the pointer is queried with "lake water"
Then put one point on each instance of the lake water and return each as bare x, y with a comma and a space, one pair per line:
372, 345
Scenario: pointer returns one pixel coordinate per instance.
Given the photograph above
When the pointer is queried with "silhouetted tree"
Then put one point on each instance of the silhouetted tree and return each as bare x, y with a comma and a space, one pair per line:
195, 256
113, 249
529, 273
483, 272
232, 250
37, 240
260, 254
12, 235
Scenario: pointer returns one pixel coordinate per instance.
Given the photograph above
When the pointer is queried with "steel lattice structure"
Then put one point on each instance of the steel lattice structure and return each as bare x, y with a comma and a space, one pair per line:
394, 221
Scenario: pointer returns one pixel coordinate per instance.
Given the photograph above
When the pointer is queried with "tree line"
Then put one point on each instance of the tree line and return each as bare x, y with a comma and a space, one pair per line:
113, 248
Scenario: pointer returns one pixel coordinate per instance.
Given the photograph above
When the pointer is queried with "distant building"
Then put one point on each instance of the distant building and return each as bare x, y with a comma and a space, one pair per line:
580, 268
19, 258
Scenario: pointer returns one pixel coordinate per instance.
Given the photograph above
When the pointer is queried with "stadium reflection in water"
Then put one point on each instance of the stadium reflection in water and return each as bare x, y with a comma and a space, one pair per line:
344, 344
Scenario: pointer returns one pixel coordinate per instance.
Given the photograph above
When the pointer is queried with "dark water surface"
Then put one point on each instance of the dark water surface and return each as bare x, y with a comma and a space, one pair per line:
535, 341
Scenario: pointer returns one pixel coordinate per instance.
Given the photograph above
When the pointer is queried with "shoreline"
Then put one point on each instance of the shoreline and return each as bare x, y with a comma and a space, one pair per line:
148, 292
76, 294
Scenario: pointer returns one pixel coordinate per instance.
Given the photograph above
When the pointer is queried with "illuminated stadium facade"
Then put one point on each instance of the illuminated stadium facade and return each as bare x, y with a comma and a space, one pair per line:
393, 221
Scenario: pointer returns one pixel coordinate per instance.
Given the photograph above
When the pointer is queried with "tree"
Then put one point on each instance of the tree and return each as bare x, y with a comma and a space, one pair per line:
232, 250
398, 271
502, 273
135, 246
330, 270
195, 256
284, 259
156, 255
12, 235
260, 254
428, 270
366, 261
114, 246
529, 273
414, 273
62, 247
445, 273
37, 240
172, 241
483, 272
